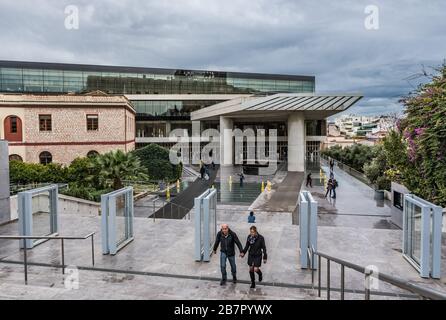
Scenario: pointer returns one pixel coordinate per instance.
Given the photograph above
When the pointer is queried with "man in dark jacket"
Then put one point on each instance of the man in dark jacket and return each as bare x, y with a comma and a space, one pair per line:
227, 239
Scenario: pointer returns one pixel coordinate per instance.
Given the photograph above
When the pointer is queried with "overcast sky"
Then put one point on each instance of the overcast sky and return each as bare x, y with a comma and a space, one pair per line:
324, 38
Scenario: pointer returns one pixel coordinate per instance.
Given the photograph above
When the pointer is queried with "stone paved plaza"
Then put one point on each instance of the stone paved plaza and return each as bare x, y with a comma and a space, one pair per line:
159, 263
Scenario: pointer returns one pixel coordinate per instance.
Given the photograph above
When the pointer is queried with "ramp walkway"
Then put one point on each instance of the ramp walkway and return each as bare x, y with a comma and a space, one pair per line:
185, 199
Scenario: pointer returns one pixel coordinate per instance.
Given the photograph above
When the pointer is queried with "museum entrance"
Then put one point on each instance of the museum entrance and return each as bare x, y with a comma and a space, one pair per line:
312, 154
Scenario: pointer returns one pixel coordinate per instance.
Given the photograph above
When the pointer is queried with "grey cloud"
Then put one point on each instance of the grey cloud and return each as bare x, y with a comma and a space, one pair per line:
322, 38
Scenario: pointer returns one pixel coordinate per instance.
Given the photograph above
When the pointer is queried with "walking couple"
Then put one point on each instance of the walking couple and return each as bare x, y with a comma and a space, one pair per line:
255, 246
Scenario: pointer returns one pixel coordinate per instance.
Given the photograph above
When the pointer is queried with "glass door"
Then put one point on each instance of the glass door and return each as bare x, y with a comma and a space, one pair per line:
413, 232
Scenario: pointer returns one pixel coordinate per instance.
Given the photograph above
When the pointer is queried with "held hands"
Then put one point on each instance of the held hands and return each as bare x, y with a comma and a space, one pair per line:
215, 251
242, 254
264, 260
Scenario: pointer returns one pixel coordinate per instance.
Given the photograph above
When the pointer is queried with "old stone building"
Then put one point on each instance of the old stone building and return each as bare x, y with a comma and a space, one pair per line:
59, 128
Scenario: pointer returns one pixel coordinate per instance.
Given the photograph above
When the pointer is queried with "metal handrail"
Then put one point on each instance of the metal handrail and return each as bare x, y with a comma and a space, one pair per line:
172, 204
25, 249
15, 188
421, 291
350, 170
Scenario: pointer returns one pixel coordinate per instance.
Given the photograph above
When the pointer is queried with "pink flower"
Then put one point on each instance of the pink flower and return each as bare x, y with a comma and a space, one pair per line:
419, 131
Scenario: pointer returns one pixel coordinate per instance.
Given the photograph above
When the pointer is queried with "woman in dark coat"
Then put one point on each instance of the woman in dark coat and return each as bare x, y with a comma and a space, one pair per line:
256, 246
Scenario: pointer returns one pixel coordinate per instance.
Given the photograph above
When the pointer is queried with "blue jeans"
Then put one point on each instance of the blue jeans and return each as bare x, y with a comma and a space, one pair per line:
334, 192
231, 259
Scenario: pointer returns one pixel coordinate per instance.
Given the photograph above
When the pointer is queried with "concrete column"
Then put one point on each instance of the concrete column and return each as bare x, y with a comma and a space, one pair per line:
226, 141
168, 128
5, 209
296, 142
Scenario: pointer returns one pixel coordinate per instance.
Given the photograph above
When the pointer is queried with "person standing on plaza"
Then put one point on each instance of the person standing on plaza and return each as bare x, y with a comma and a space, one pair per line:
256, 248
227, 239
309, 181
251, 217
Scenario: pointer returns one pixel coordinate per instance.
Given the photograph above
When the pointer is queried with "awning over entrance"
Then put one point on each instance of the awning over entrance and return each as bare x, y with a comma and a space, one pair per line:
281, 103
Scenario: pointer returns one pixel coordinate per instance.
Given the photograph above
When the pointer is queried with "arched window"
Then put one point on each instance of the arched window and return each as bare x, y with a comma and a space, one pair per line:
92, 153
15, 157
45, 157
13, 128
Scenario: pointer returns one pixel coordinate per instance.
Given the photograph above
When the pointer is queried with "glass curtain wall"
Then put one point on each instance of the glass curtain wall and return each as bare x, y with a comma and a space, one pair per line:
178, 82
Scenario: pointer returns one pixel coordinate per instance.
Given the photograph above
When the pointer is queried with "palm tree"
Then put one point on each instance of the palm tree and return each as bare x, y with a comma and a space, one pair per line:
116, 166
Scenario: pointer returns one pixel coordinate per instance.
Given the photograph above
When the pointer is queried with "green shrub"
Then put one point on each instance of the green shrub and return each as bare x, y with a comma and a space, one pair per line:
375, 170
417, 150
354, 156
156, 159
84, 192
113, 167
25, 173
83, 173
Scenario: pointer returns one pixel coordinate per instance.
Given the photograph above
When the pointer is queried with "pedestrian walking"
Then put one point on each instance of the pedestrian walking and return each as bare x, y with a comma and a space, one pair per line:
333, 188
331, 164
206, 172
256, 248
329, 187
227, 239
309, 181
242, 178
202, 171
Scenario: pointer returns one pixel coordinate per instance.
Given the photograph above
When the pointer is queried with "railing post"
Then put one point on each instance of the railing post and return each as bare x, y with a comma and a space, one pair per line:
342, 281
63, 255
25, 261
312, 278
319, 277
367, 274
92, 249
153, 210
328, 279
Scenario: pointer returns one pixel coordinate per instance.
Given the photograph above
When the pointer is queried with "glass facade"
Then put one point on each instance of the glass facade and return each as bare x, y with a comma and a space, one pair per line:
154, 118
60, 78
151, 129
169, 109
316, 127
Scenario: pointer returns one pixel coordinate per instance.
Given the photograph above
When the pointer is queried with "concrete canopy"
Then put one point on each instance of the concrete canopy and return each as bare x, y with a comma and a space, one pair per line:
279, 106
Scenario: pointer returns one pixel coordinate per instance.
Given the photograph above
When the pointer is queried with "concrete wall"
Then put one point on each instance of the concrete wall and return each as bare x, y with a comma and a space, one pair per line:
296, 142
5, 213
71, 205
67, 205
